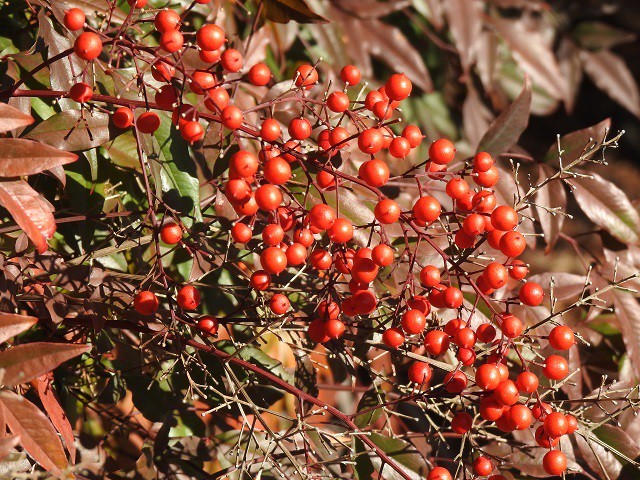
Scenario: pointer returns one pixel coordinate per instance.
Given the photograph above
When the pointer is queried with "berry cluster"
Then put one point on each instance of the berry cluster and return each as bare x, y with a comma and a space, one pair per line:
281, 182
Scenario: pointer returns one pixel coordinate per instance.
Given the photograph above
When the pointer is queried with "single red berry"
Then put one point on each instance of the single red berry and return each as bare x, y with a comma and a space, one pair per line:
413, 322
81, 92
145, 303
171, 41
171, 233
370, 141
473, 224
123, 117
241, 233
87, 46
504, 218
572, 424
487, 179
317, 331
259, 74
260, 280
192, 132
299, 128
520, 417
506, 393
338, 102
518, 270
341, 231
393, 337
482, 162
374, 172
166, 20
455, 382
461, 423
188, 298
398, 87
322, 216
555, 367
453, 297
320, 259
306, 76
436, 342
231, 60
296, 254
208, 324
162, 71
74, 19
561, 337
334, 328
273, 260
482, 466
512, 326
544, 440
232, 117
399, 147
430, 276
350, 75
438, 473
427, 209
527, 382
243, 164
512, 244
531, 294
387, 211
555, 424
148, 122
496, 275
382, 255
418, 302
540, 409
277, 170
210, 37
490, 410
554, 462
442, 151
364, 302
487, 376
413, 134
420, 373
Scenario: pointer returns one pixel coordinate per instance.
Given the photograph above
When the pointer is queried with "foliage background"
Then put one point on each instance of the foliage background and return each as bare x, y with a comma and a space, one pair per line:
468, 59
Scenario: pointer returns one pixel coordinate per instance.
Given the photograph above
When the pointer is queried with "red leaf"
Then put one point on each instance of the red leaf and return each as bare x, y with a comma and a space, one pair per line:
19, 157
12, 325
609, 72
30, 211
26, 362
505, 130
12, 118
56, 414
37, 435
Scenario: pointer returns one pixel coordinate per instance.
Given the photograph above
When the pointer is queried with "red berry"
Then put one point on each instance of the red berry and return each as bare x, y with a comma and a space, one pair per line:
148, 122
145, 303
192, 132
420, 373
341, 231
210, 37
243, 164
241, 233
427, 209
122, 117
370, 141
561, 337
81, 92
520, 417
442, 151
518, 270
555, 424
231, 60
531, 294
490, 410
511, 326
166, 20
322, 216
527, 382
482, 162
306, 76
87, 46
461, 423
232, 117
439, 473
208, 324
487, 376
259, 74
382, 255
506, 393
398, 87
350, 74
171, 233
487, 179
512, 244
455, 382
260, 280
555, 367
486, 333
277, 170
436, 342
496, 275
413, 134
374, 172
504, 218
413, 322
74, 19
338, 102
188, 298
399, 147
387, 211
430, 276
482, 466
393, 337
299, 128
317, 331
554, 462
296, 254
171, 41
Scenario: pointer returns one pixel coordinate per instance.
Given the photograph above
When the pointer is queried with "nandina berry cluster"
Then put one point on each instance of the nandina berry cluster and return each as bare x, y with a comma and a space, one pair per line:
456, 215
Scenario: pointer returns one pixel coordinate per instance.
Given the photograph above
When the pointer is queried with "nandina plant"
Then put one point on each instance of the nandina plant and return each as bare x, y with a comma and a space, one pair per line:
259, 272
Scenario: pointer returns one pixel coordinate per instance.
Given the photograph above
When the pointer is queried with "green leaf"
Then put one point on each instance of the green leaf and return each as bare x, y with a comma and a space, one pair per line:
173, 169
282, 11
363, 468
506, 129
367, 404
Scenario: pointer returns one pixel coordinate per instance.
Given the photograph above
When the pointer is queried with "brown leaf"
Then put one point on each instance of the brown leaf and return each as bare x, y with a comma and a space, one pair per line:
282, 11
30, 210
533, 55
12, 118
12, 324
7, 444
476, 118
465, 23
68, 131
551, 196
19, 156
56, 414
24, 363
571, 68
608, 207
506, 129
627, 312
610, 74
573, 143
37, 435
595, 35
374, 8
